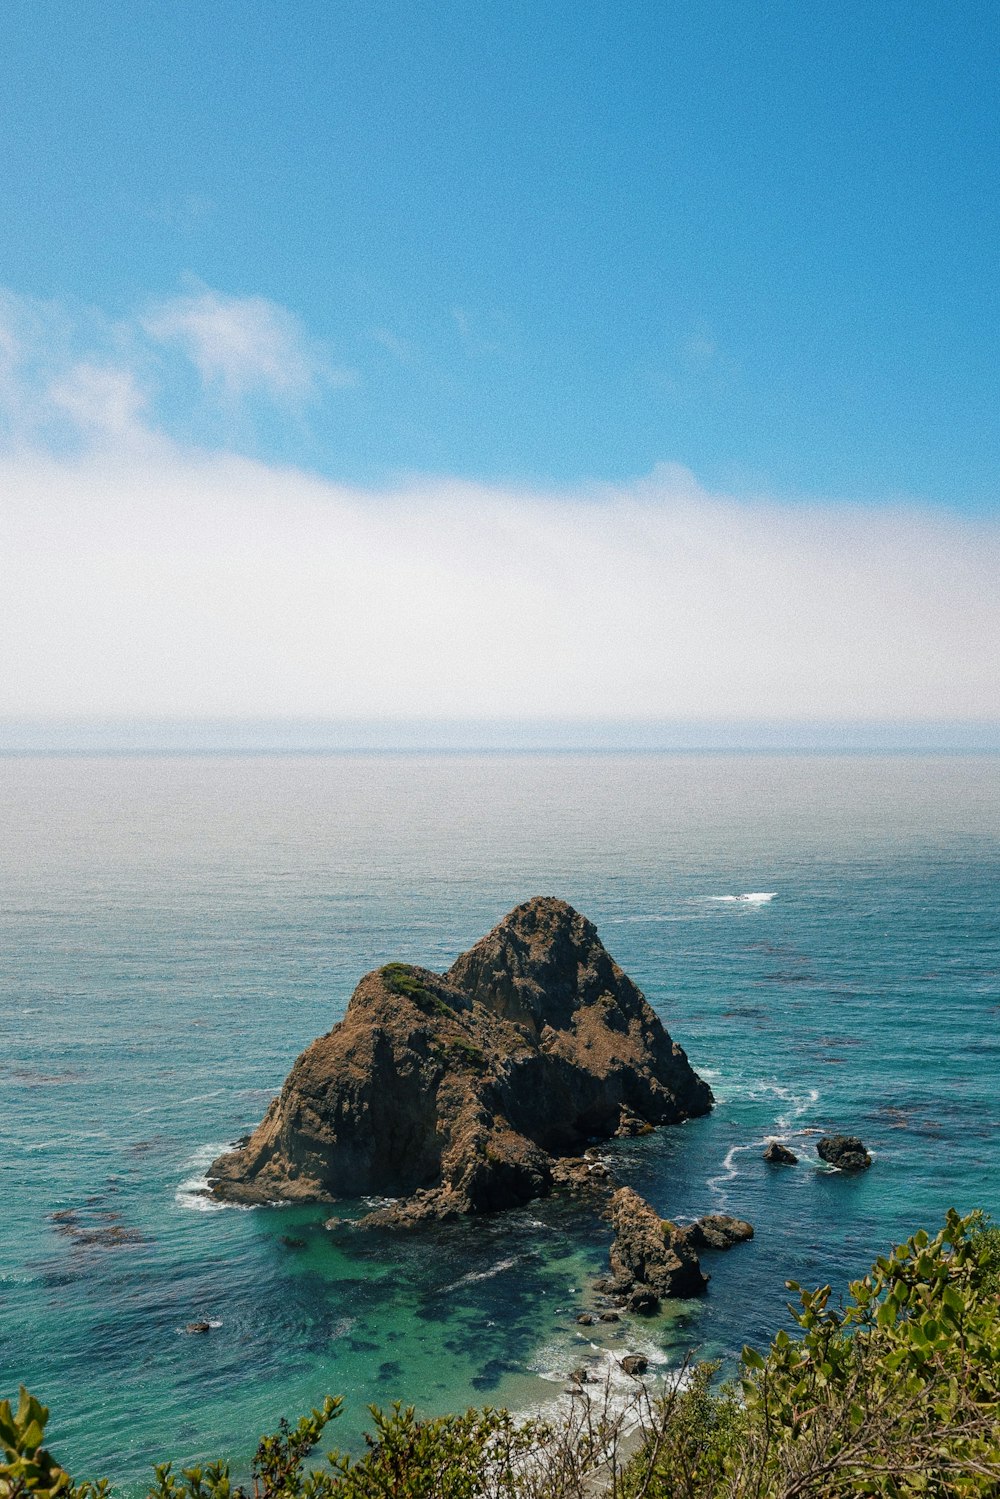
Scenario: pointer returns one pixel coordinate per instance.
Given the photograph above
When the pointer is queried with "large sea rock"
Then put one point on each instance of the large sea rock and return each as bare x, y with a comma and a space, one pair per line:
457, 1092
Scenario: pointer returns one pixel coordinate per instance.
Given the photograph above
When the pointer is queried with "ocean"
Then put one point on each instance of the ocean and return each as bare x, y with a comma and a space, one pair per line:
174, 930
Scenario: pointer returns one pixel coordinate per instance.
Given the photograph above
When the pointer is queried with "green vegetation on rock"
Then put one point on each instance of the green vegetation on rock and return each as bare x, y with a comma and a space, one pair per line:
894, 1394
402, 978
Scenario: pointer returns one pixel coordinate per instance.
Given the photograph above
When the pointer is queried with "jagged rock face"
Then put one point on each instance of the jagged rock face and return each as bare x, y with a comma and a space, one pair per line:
456, 1091
601, 1057
650, 1258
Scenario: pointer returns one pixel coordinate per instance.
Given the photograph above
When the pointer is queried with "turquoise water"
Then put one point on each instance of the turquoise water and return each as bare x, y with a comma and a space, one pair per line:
173, 931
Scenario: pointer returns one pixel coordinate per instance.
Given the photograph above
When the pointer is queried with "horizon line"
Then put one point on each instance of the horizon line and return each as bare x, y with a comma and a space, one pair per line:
111, 735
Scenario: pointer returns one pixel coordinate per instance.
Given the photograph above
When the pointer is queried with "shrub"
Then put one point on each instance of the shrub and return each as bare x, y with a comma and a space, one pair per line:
897, 1394
402, 979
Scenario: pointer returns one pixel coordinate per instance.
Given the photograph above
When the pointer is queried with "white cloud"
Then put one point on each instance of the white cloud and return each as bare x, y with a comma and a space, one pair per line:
101, 400
76, 378
200, 585
139, 577
243, 344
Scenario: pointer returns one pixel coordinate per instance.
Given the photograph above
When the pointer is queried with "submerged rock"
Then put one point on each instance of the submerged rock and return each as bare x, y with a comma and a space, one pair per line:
458, 1092
89, 1228
777, 1154
846, 1152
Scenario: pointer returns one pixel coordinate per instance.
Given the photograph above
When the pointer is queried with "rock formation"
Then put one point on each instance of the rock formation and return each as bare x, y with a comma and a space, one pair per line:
650, 1259
777, 1154
846, 1152
456, 1092
717, 1231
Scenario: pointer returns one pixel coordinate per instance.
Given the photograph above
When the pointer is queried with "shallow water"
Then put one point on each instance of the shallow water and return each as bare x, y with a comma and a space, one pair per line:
174, 930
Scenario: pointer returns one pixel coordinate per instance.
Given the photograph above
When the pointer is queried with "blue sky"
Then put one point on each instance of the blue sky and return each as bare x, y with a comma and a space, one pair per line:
554, 243
613, 362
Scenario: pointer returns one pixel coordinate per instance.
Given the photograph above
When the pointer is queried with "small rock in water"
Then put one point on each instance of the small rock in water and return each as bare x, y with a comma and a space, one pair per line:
610, 1317
585, 1319
644, 1300
777, 1154
635, 1363
198, 1327
846, 1152
717, 1231
292, 1243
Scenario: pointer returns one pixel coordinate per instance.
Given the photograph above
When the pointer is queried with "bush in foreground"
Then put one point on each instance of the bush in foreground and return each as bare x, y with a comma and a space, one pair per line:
896, 1394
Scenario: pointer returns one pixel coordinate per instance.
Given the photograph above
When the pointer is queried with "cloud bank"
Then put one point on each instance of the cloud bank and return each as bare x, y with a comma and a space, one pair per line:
142, 577
212, 585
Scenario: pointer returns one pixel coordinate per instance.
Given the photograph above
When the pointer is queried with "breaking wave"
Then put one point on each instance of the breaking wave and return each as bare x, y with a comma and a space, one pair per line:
193, 1193
748, 898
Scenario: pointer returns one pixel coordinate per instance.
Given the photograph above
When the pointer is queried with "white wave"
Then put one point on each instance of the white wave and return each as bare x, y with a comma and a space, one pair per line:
477, 1275
172, 1103
748, 898
718, 1184
800, 1101
193, 1192
609, 1391
799, 1105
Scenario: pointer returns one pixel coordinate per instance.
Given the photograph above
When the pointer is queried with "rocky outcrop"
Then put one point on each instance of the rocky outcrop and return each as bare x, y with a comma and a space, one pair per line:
777, 1154
846, 1152
458, 1092
651, 1259
717, 1231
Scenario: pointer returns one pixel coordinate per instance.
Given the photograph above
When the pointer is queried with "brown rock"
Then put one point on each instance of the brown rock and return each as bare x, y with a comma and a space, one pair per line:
717, 1231
195, 1327
456, 1092
777, 1154
610, 1317
585, 1319
648, 1252
635, 1363
643, 1300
